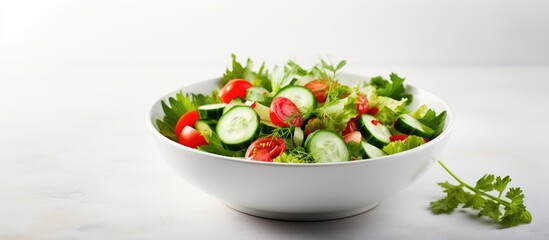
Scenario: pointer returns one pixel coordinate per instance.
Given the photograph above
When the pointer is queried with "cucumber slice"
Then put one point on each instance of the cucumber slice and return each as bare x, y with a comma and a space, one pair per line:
375, 134
205, 126
259, 94
238, 127
211, 111
327, 146
411, 126
301, 96
370, 151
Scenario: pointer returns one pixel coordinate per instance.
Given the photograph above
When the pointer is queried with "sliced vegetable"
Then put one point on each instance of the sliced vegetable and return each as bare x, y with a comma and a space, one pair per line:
353, 136
302, 97
187, 119
319, 87
409, 125
351, 126
233, 89
191, 138
211, 111
371, 151
206, 126
361, 104
284, 113
398, 137
238, 127
373, 131
265, 149
327, 146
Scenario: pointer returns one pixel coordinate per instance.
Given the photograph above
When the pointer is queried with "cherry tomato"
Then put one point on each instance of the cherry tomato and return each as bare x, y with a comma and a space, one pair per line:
319, 87
361, 104
234, 88
187, 119
190, 137
284, 113
373, 111
354, 136
265, 149
351, 126
398, 137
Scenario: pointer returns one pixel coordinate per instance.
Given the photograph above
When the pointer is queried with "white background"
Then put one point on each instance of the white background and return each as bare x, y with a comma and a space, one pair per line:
77, 77
175, 33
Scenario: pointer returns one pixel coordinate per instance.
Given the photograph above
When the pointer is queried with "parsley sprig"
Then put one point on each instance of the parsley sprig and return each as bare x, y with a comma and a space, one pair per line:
479, 198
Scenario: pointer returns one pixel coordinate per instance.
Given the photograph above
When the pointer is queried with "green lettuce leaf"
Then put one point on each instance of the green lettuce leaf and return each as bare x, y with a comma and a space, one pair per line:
393, 88
389, 108
215, 146
336, 114
401, 146
354, 149
238, 71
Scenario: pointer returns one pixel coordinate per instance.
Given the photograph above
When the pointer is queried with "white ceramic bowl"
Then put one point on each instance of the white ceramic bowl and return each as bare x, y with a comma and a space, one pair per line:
302, 192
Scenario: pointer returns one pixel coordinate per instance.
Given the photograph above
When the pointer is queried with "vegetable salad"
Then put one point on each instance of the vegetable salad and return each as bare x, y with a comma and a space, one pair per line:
298, 115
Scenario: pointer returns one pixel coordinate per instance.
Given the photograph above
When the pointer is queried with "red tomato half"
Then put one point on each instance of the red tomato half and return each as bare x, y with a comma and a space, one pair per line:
187, 119
351, 126
191, 138
284, 113
319, 87
234, 88
361, 104
353, 136
265, 149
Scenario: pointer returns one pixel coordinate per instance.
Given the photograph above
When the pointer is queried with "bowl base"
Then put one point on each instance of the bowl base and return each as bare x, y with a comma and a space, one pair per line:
301, 217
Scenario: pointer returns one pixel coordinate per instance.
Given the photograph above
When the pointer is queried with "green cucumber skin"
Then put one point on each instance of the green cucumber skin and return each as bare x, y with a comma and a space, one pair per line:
210, 113
309, 142
207, 125
245, 143
367, 155
368, 136
403, 127
305, 90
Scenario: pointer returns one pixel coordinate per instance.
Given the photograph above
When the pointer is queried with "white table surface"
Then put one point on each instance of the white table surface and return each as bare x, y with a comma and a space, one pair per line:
77, 161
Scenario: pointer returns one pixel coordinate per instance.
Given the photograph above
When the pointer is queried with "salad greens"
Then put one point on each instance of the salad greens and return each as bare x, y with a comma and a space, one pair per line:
479, 198
292, 98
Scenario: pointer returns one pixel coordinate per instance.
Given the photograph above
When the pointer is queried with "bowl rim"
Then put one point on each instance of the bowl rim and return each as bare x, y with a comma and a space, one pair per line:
151, 126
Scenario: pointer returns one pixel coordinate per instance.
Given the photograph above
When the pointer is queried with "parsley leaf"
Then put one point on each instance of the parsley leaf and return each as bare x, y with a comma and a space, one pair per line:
514, 210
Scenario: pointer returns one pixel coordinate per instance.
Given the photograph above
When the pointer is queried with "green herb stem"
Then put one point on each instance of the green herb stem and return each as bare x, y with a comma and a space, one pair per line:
506, 203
